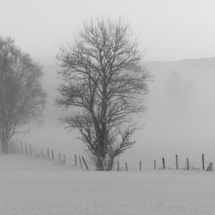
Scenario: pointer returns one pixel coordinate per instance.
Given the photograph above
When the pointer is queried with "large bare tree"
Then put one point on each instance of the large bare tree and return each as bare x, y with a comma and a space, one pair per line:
103, 83
21, 94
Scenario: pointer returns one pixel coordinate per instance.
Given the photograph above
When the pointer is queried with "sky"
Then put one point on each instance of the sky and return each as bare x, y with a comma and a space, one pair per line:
168, 30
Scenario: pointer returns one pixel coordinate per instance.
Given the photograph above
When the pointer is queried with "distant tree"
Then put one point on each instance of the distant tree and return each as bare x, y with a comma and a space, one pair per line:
21, 95
103, 80
179, 92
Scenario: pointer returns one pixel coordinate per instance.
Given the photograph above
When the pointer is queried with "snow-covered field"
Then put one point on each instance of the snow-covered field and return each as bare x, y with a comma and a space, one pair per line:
31, 185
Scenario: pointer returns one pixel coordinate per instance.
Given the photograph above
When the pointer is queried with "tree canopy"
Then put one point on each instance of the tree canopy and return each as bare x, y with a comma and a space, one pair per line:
22, 97
103, 81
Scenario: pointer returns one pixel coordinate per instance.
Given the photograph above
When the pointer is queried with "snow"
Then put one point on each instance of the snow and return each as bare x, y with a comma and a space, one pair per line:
37, 186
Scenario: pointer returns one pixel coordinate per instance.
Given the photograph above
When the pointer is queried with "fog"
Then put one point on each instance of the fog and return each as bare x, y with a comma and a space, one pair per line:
165, 133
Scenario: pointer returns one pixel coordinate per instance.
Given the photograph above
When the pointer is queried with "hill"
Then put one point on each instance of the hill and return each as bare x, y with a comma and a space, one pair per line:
165, 133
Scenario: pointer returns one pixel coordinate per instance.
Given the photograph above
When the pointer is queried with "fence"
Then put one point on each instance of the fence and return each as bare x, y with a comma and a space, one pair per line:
49, 154
24, 148
187, 165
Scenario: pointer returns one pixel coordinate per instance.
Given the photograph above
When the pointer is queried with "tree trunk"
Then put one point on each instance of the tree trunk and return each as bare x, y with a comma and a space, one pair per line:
4, 145
101, 154
110, 164
100, 160
100, 166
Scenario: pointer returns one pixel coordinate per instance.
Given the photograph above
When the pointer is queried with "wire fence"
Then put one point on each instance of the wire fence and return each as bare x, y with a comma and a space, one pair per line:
46, 153
76, 160
81, 162
187, 165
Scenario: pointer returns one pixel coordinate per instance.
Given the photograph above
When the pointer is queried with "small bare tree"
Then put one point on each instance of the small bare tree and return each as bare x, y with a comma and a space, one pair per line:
104, 80
21, 95
179, 91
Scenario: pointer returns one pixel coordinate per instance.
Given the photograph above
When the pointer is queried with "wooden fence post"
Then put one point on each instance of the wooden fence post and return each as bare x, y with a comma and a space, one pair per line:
22, 147
203, 162
26, 149
80, 161
64, 157
140, 166
10, 147
75, 160
154, 164
30, 149
85, 163
34, 152
48, 153
14, 146
52, 155
188, 167
126, 166
163, 163
210, 167
176, 157
118, 165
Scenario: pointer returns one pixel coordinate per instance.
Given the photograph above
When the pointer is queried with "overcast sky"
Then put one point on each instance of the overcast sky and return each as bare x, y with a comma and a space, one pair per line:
167, 29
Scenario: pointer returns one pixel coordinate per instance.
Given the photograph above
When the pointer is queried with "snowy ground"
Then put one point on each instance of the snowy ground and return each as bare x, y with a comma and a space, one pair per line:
32, 185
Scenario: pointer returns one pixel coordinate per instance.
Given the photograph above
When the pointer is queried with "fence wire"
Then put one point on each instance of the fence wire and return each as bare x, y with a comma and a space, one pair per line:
189, 166
80, 161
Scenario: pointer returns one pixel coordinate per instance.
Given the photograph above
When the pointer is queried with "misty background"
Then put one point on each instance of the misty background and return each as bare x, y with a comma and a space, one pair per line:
165, 133
174, 35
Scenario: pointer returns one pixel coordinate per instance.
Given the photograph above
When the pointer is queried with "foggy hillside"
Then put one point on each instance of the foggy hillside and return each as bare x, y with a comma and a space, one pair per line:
188, 135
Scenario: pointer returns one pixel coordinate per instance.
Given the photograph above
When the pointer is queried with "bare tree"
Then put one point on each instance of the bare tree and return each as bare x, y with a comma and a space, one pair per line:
21, 95
179, 91
103, 81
